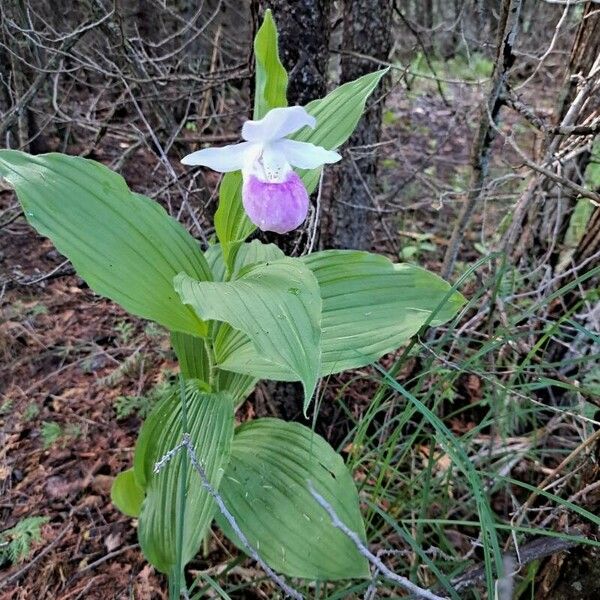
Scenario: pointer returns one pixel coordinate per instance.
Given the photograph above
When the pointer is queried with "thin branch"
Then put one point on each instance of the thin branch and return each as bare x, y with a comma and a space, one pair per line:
10, 117
480, 155
186, 443
46, 550
538, 122
103, 559
593, 197
313, 235
425, 52
374, 560
534, 550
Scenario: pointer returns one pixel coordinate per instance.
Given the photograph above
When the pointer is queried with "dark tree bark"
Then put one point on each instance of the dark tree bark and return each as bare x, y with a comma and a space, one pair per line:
541, 219
303, 27
367, 31
542, 215
427, 24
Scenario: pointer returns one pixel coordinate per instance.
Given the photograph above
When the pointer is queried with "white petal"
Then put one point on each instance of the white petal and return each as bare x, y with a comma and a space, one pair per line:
274, 164
225, 159
269, 165
277, 123
304, 155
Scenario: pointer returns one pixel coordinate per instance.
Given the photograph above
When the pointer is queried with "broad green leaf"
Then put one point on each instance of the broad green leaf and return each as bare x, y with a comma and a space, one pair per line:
277, 305
238, 385
228, 340
195, 363
371, 306
124, 245
337, 116
216, 262
271, 77
231, 223
254, 252
247, 254
265, 488
189, 348
233, 347
126, 494
210, 425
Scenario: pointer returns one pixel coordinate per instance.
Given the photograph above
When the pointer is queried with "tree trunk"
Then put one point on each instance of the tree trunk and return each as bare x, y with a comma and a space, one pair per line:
542, 214
303, 27
536, 237
428, 25
367, 31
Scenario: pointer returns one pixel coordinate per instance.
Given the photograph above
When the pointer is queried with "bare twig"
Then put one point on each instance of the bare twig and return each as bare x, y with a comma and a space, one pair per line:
534, 550
103, 559
374, 560
16, 576
13, 114
552, 175
518, 518
186, 443
480, 154
538, 122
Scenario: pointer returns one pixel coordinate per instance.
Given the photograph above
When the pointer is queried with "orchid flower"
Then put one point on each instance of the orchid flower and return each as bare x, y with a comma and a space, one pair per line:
273, 195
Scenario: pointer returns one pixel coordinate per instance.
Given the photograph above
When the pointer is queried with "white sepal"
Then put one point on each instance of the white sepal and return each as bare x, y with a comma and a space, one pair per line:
277, 123
304, 155
224, 160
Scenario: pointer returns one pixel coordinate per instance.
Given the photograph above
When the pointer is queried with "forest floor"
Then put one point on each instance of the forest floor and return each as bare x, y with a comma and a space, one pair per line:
78, 374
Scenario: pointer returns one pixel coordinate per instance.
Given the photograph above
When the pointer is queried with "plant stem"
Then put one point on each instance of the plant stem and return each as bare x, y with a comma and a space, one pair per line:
211, 363
177, 576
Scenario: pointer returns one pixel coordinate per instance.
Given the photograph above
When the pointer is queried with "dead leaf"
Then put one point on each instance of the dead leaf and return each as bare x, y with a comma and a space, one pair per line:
112, 541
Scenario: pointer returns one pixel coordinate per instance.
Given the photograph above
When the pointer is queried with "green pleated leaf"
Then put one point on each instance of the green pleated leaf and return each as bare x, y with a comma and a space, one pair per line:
247, 254
210, 425
228, 340
233, 347
255, 252
238, 385
126, 494
277, 305
216, 262
271, 77
231, 223
123, 244
337, 116
371, 306
265, 488
191, 351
